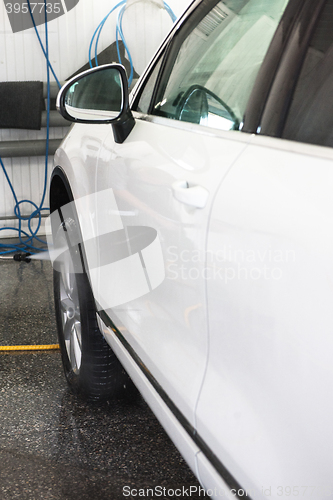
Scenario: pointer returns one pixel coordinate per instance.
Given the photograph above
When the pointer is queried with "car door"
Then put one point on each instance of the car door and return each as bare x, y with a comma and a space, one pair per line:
265, 407
164, 179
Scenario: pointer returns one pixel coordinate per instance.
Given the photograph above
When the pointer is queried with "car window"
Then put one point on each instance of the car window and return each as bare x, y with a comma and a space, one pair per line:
215, 68
310, 117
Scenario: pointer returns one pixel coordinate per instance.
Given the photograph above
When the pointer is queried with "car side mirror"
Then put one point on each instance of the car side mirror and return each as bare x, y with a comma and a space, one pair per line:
99, 95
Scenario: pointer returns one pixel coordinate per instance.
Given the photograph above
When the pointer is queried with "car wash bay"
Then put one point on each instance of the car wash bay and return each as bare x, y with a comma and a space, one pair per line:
53, 445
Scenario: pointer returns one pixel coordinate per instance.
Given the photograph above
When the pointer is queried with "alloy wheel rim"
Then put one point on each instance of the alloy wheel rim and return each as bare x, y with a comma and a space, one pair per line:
70, 315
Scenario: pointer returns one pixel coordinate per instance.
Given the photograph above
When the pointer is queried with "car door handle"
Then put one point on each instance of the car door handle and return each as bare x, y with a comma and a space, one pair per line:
195, 196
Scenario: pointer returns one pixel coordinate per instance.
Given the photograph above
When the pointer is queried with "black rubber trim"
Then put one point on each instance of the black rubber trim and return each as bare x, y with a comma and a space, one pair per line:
209, 454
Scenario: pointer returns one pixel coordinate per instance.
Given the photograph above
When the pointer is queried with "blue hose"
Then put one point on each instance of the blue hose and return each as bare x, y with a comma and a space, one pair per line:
99, 29
46, 54
170, 12
28, 243
119, 32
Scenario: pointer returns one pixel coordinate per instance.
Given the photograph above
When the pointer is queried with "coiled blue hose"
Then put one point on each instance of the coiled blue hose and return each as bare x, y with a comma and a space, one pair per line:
27, 245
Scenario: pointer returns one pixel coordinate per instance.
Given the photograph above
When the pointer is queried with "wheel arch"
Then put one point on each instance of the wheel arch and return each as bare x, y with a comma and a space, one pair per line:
60, 191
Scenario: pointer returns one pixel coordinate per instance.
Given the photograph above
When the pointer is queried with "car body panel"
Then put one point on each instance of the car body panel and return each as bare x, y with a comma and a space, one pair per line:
167, 326
270, 318
78, 154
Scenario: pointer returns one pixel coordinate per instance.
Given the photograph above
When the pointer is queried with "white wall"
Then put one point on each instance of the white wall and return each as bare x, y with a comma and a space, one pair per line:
21, 59
69, 37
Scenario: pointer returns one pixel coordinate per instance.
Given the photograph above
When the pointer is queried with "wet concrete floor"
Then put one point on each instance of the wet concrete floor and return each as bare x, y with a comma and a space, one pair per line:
52, 445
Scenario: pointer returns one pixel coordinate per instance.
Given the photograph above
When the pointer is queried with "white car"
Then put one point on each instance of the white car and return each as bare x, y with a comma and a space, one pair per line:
198, 215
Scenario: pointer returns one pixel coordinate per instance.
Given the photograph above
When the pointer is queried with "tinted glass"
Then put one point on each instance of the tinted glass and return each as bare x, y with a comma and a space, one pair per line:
216, 66
310, 117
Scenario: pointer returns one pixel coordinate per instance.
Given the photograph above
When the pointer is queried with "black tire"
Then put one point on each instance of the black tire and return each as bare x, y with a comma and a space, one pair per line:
91, 368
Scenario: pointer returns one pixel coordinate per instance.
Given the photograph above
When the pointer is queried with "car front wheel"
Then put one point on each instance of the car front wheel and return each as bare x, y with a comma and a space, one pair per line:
91, 368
